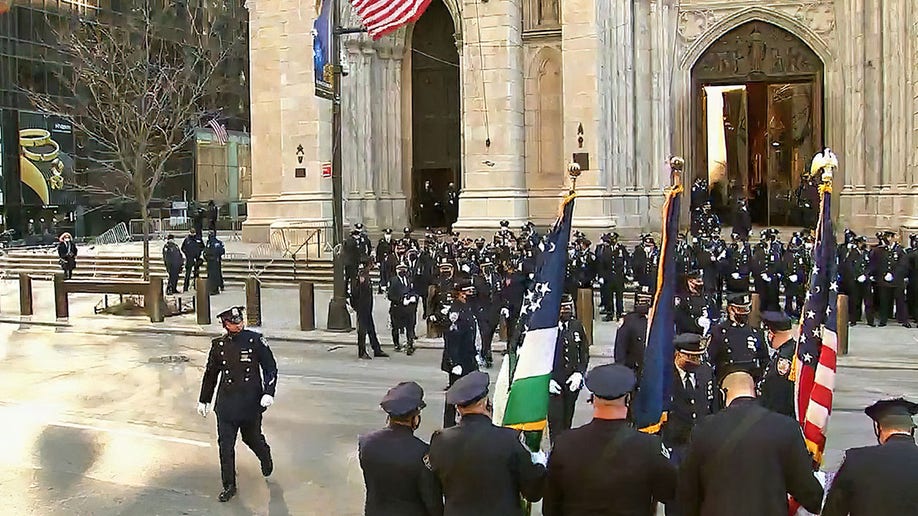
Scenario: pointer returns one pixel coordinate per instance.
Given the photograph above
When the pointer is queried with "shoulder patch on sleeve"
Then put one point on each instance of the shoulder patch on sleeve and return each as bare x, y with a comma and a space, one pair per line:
427, 461
664, 450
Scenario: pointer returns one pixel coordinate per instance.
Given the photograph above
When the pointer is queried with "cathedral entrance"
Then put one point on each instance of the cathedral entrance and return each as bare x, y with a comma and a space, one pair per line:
435, 115
758, 121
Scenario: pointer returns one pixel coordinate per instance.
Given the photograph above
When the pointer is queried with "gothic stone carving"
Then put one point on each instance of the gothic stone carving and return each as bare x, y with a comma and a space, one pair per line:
692, 24
819, 16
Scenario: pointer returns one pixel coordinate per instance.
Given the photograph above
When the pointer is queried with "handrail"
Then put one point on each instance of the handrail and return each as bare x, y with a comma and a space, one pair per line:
117, 234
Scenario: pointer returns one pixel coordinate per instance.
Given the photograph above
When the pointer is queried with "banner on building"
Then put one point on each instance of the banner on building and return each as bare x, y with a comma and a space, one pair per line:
46, 148
322, 34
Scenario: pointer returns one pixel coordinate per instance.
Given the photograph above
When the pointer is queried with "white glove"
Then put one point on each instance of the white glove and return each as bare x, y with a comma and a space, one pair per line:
531, 275
601, 281
735, 275
861, 278
202, 409
466, 269
553, 387
888, 277
704, 322
539, 457
414, 299
432, 318
821, 477
457, 370
267, 400
792, 278
765, 277
505, 312
575, 381
406, 301
480, 361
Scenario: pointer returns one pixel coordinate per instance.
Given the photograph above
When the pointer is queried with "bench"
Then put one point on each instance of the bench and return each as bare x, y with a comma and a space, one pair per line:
152, 292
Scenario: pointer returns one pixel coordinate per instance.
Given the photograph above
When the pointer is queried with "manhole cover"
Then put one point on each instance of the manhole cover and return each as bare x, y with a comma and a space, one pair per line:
169, 359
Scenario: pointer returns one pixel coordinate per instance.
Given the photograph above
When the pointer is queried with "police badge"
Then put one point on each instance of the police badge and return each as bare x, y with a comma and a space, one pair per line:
784, 366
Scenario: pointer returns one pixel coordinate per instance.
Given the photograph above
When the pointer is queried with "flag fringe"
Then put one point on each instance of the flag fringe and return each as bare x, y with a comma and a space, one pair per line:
530, 427
652, 429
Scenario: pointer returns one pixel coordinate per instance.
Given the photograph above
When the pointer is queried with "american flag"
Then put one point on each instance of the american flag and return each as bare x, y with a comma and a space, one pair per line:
384, 16
817, 347
219, 130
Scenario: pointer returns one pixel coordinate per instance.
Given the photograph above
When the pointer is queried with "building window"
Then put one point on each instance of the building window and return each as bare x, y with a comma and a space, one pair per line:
541, 15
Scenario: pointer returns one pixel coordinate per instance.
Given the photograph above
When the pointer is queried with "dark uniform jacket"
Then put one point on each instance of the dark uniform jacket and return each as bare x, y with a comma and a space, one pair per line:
572, 354
192, 247
877, 481
401, 288
689, 307
688, 407
745, 460
398, 483
172, 256
732, 343
630, 339
459, 339
777, 388
607, 468
246, 370
612, 264
644, 266
483, 469
853, 267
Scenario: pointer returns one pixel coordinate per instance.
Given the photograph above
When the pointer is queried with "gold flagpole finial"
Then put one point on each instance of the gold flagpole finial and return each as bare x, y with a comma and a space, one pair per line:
823, 167
573, 171
676, 165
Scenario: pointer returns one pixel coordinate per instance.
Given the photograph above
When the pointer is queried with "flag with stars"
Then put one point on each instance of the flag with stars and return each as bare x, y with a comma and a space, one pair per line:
527, 403
817, 347
650, 403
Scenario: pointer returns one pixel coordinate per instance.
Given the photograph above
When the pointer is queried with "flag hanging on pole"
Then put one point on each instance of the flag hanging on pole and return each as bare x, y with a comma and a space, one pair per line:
384, 16
219, 131
817, 346
655, 389
527, 403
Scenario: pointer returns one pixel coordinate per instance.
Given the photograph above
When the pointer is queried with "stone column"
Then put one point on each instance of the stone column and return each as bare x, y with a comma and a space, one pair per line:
493, 180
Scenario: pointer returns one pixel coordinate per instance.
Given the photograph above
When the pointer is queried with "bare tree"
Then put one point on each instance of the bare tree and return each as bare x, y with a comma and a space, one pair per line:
140, 84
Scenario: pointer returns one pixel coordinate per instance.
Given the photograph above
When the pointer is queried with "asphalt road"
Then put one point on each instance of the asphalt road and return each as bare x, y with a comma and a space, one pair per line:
99, 425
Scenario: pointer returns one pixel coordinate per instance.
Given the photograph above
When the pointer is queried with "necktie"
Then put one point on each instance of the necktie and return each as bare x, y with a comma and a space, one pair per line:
689, 384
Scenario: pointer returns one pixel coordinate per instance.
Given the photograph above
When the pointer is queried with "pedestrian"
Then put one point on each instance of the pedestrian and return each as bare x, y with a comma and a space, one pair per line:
403, 307
777, 388
746, 459
397, 480
606, 467
192, 248
459, 352
483, 469
212, 213
632, 334
173, 260
242, 370
572, 357
361, 299
880, 480
67, 251
213, 253
694, 396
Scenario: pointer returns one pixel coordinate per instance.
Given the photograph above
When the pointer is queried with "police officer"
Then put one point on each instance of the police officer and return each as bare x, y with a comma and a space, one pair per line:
392, 460
352, 254
880, 480
612, 266
242, 369
408, 239
742, 220
746, 459
693, 306
439, 298
766, 259
700, 193
739, 256
361, 299
606, 467
384, 248
403, 307
572, 356
705, 222
172, 259
644, 263
854, 272
734, 341
891, 272
192, 247
794, 274
460, 356
911, 295
694, 394
491, 306
631, 336
483, 469
213, 253
777, 389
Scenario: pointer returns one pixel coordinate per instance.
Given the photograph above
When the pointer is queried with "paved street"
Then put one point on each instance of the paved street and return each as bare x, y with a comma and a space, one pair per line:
93, 424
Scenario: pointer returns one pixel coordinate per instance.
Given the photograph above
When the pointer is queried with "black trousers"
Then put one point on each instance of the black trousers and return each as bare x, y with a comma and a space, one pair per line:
886, 296
449, 411
192, 269
486, 329
172, 283
405, 320
856, 299
793, 301
561, 411
366, 327
226, 441
768, 294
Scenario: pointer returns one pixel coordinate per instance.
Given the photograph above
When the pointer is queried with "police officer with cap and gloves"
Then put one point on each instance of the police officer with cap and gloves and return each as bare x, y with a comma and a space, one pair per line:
880, 480
483, 469
734, 341
631, 336
392, 459
695, 394
242, 369
746, 459
460, 356
572, 356
777, 389
606, 467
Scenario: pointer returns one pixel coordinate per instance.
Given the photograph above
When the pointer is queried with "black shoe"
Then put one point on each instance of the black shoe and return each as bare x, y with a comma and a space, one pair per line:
906, 325
882, 324
608, 318
228, 492
398, 348
380, 354
871, 324
488, 362
364, 356
852, 323
267, 467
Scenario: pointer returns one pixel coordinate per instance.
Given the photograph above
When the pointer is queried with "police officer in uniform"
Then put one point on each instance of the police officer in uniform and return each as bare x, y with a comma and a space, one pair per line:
612, 266
403, 307
242, 369
692, 314
742, 220
483, 469
572, 356
392, 460
631, 336
794, 273
766, 259
777, 389
734, 341
694, 396
644, 263
880, 480
891, 271
213, 253
854, 273
361, 299
491, 307
606, 467
192, 247
746, 459
460, 357
384, 248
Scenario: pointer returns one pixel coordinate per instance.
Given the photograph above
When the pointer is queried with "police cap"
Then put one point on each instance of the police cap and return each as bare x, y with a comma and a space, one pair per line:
693, 273
610, 381
741, 299
403, 399
690, 344
567, 300
232, 314
776, 321
468, 389
388, 231
407, 230
401, 266
895, 412
644, 294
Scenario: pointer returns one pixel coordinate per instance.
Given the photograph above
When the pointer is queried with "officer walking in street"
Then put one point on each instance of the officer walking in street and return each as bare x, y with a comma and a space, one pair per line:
483, 469
403, 307
392, 459
172, 259
242, 369
192, 247
735, 341
777, 389
746, 459
572, 356
606, 467
880, 480
361, 300
491, 308
460, 357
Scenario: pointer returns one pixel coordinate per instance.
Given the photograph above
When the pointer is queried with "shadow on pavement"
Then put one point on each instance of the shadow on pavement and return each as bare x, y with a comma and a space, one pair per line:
65, 455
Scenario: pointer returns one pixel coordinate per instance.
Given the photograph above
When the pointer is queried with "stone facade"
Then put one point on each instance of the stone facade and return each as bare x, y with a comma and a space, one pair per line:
541, 80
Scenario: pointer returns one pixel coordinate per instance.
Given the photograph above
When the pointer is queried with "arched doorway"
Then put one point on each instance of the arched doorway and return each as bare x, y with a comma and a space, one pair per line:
758, 105
435, 115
